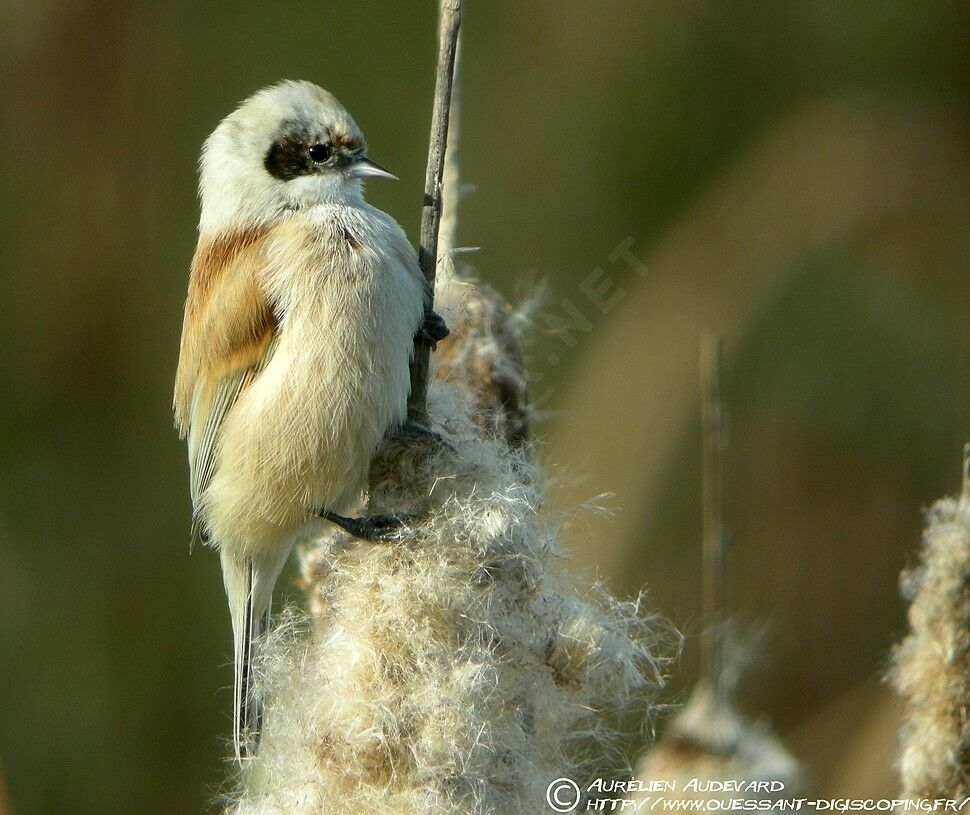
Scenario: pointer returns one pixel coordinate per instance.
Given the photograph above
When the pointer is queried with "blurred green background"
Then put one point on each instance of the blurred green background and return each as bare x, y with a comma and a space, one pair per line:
794, 175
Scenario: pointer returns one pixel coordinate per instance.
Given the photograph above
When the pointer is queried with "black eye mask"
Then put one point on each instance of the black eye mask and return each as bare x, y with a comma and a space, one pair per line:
288, 158
296, 152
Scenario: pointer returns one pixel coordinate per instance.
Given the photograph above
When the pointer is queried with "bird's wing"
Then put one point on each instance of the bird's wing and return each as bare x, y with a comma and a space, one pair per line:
228, 336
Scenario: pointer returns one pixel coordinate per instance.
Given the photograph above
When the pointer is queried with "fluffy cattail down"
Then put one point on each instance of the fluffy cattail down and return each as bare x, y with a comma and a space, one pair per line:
932, 665
710, 741
487, 361
459, 670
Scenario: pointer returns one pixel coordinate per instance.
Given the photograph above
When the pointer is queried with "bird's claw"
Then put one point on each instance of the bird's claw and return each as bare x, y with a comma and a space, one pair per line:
433, 330
374, 528
415, 432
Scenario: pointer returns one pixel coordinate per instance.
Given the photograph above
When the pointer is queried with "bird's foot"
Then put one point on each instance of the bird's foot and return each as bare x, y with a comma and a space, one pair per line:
415, 431
433, 330
374, 528
418, 435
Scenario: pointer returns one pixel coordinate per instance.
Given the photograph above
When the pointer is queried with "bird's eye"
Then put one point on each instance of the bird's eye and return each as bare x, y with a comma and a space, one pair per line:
319, 152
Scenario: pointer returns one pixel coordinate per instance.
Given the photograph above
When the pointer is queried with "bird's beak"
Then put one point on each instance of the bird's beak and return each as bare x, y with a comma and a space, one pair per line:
366, 167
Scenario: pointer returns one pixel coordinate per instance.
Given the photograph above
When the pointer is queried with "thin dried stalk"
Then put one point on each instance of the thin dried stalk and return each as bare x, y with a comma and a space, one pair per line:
431, 211
709, 739
451, 182
712, 419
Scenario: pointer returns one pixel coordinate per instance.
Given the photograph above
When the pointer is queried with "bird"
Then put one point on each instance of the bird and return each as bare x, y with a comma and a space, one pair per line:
303, 309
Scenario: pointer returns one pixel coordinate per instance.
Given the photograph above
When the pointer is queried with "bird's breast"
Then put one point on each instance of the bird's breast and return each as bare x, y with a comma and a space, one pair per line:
339, 378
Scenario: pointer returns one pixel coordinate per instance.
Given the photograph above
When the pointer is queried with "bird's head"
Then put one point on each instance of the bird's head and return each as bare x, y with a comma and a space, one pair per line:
286, 147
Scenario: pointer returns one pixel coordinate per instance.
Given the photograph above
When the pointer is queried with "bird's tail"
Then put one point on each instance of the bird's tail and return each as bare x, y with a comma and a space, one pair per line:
249, 588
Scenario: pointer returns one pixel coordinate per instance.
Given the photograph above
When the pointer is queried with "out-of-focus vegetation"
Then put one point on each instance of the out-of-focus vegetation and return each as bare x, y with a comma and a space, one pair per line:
794, 175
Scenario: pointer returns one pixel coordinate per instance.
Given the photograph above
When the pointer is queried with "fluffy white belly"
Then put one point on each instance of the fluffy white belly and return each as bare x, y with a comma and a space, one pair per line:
302, 435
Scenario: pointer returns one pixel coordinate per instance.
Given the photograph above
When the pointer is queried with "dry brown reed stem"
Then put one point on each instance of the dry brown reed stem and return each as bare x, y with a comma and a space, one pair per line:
712, 422
709, 739
431, 209
932, 665
451, 181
